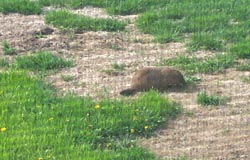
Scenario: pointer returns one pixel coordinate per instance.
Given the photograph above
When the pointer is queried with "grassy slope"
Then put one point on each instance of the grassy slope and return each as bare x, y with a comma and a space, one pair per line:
40, 124
212, 24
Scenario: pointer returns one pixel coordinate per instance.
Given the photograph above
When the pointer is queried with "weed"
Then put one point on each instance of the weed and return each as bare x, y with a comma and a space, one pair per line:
67, 78
39, 35
192, 79
119, 67
246, 79
7, 49
244, 67
42, 61
4, 63
115, 70
116, 47
204, 99
64, 19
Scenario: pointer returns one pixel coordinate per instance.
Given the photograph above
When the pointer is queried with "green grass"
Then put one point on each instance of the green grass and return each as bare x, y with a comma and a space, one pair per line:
204, 99
115, 70
26, 7
191, 80
241, 49
7, 49
4, 63
211, 25
244, 67
118, 67
40, 124
246, 79
67, 78
42, 61
64, 19
192, 65
205, 41
112, 6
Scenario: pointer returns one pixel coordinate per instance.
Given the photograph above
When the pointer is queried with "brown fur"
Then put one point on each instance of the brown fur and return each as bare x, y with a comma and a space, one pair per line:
159, 78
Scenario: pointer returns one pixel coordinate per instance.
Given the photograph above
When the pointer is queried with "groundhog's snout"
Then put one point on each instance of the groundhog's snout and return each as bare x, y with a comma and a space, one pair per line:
159, 78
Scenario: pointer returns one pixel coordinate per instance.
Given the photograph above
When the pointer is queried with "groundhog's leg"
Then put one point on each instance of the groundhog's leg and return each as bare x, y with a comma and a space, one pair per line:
128, 92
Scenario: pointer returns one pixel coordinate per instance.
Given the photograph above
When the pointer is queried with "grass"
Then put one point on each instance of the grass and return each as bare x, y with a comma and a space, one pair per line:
65, 19
212, 25
246, 79
4, 63
7, 49
244, 67
42, 61
67, 78
191, 80
210, 65
35, 123
241, 49
112, 6
118, 67
204, 99
115, 70
26, 7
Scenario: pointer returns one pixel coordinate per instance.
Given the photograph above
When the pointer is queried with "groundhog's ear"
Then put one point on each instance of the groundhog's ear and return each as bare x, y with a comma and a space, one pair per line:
128, 92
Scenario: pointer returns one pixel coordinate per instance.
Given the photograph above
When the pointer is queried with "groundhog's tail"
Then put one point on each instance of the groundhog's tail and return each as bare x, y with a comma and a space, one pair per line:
128, 92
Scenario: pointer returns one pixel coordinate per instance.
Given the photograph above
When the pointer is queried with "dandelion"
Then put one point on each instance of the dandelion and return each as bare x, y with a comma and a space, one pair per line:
49, 156
90, 126
132, 130
97, 106
40, 158
134, 118
3, 129
146, 127
108, 145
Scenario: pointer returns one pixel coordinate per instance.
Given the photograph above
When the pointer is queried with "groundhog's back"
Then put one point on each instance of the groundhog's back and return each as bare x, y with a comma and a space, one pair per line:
160, 78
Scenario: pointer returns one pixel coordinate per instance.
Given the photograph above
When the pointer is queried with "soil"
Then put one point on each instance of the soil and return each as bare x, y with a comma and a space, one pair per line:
221, 132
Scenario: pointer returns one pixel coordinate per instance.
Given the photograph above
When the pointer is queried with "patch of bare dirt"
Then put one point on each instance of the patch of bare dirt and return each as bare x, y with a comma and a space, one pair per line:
209, 133
200, 133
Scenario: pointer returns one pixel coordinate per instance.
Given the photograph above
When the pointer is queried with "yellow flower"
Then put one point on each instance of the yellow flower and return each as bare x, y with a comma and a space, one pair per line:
146, 127
134, 118
40, 158
51, 119
108, 145
3, 129
132, 130
97, 106
90, 126
49, 156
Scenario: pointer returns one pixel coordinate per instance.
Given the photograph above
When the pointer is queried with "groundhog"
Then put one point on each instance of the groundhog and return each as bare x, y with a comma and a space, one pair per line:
159, 78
